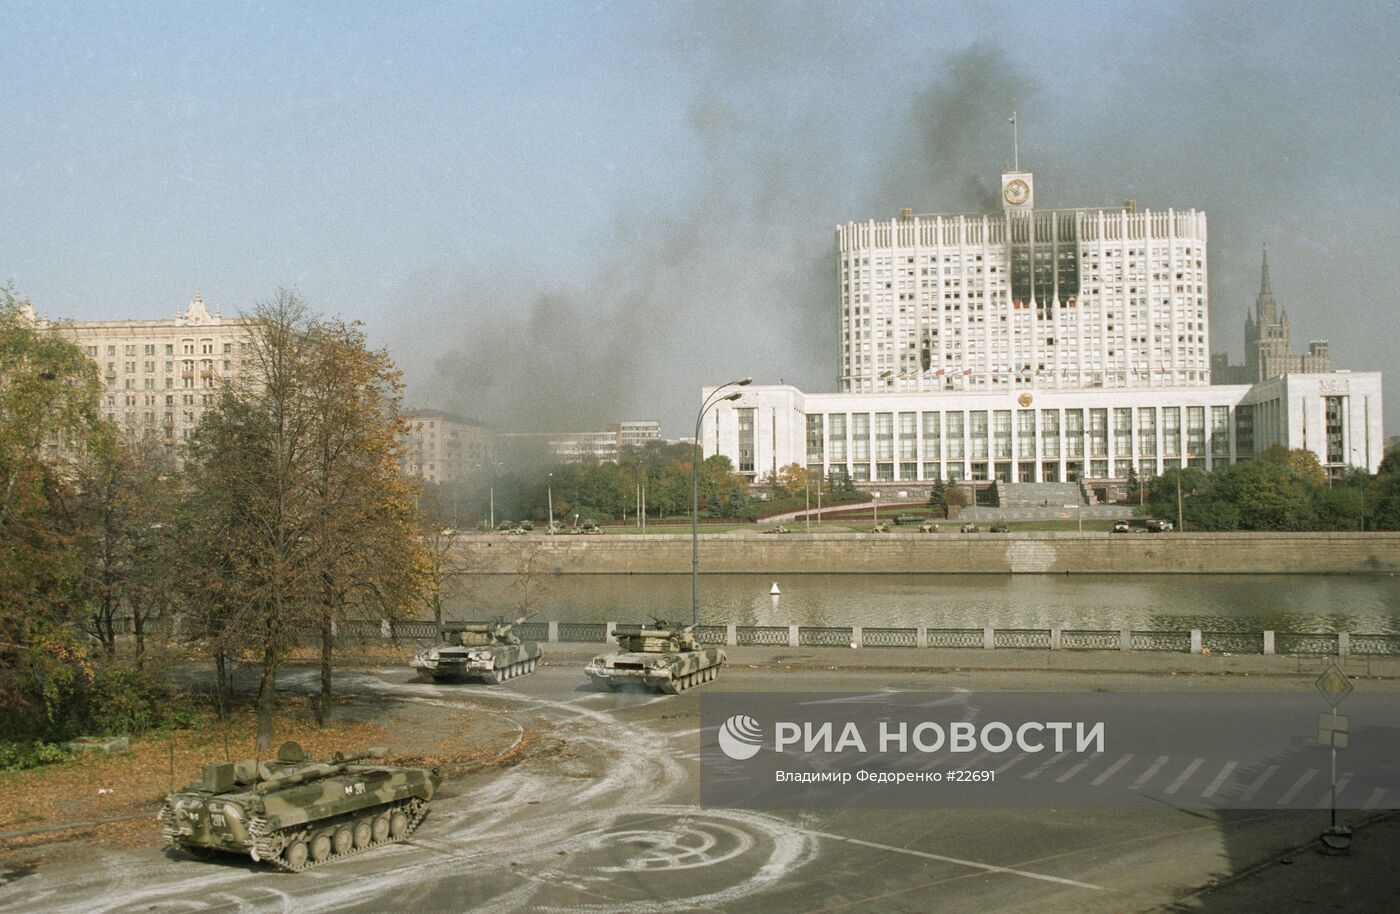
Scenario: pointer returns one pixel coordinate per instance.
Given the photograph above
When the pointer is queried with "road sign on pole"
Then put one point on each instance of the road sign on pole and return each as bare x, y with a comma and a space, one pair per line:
1332, 730
1334, 685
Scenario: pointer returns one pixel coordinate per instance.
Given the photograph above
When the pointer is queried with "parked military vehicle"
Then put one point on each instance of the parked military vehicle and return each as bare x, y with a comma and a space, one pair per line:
491, 651
664, 656
294, 813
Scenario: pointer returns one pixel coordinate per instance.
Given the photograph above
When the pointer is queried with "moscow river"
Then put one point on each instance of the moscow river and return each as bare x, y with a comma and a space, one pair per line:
1165, 602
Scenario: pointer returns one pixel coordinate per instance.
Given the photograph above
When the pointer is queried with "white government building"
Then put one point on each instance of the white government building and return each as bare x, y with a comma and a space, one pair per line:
1035, 346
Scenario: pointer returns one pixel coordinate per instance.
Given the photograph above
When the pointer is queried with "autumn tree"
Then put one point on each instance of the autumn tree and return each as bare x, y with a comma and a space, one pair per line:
48, 411
124, 506
791, 480
253, 502
296, 513
1300, 460
365, 530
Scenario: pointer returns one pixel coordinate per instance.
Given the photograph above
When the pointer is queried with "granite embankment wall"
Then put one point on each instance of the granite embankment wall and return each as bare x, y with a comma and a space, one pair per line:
942, 553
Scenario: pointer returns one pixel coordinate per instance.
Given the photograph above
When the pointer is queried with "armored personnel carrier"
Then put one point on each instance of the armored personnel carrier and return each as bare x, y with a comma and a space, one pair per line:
490, 651
664, 656
294, 813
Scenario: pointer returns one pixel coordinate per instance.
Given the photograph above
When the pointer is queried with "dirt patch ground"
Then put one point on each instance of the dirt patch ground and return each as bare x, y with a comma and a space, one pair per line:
113, 799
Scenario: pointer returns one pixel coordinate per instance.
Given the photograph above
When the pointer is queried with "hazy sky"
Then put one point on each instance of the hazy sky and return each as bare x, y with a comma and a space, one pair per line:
563, 214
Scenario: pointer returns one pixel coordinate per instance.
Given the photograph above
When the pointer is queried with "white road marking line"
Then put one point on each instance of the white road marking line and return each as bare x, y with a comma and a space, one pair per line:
1375, 799
693, 731
1258, 782
1011, 764
1220, 779
1112, 770
1326, 800
988, 867
1297, 786
1076, 769
1147, 775
1043, 765
1185, 775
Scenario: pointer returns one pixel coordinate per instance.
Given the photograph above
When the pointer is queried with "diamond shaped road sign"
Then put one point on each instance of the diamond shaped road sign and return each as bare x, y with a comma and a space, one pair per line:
1334, 685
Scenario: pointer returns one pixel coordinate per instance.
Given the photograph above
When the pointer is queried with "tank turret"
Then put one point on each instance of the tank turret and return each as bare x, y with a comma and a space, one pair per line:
492, 651
665, 656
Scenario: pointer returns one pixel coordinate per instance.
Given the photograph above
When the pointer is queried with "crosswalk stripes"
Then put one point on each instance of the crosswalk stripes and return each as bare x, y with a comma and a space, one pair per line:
1111, 771
1252, 789
1186, 775
1326, 800
1011, 764
1297, 787
1076, 769
1219, 779
1148, 774
1043, 765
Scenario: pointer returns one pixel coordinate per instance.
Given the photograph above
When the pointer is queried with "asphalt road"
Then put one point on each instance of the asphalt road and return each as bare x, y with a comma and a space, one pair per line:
602, 817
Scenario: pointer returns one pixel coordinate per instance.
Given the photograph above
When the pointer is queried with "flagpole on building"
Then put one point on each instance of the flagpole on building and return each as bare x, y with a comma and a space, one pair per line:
1015, 144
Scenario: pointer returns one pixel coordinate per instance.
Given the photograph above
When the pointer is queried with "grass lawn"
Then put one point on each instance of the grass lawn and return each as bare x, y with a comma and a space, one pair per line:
863, 525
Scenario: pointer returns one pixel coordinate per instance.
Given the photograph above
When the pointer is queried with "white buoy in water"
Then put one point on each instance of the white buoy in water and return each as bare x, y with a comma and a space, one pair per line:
774, 591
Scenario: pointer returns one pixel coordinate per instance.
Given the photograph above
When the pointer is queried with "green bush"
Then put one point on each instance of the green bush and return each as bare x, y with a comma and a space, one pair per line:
17, 755
127, 699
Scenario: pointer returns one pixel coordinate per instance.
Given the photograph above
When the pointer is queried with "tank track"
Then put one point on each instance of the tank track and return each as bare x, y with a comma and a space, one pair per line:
521, 668
271, 844
676, 686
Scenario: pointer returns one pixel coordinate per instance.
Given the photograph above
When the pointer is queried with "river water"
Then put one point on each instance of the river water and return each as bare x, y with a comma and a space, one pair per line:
1165, 602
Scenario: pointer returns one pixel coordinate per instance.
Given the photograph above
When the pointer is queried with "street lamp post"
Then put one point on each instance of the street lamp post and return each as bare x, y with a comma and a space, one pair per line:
1362, 490
549, 494
875, 496
491, 487
807, 515
1180, 518
695, 494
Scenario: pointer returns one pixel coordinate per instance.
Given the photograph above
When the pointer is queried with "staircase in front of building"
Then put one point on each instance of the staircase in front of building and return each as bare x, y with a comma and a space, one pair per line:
1041, 494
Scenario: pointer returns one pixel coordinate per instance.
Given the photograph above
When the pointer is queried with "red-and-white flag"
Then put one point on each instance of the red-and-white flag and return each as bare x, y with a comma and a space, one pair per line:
938, 373
967, 371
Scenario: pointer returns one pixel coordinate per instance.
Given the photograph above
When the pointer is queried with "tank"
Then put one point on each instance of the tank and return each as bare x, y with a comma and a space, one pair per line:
663, 656
489, 651
294, 813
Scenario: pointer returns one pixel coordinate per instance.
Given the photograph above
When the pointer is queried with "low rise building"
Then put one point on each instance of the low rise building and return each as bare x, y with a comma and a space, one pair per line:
1095, 435
575, 447
443, 447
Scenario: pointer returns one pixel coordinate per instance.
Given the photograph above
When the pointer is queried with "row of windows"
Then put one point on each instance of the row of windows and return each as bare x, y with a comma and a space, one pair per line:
187, 347
186, 365
1011, 471
978, 434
